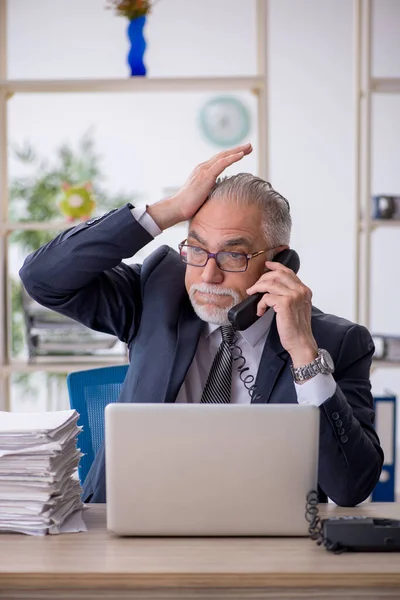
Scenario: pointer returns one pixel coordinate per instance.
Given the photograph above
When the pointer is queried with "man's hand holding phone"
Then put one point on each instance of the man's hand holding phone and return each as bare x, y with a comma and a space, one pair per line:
184, 205
291, 300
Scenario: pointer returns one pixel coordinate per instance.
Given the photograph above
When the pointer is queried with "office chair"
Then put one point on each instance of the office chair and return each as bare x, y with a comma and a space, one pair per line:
89, 393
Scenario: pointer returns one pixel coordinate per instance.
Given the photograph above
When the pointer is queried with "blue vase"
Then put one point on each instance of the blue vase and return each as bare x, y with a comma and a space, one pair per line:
138, 46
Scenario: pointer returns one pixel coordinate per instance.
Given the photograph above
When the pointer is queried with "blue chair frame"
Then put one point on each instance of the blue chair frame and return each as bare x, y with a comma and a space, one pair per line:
89, 393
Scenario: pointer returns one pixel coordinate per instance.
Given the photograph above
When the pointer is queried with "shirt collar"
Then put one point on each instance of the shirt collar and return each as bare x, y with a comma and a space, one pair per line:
252, 334
261, 327
209, 328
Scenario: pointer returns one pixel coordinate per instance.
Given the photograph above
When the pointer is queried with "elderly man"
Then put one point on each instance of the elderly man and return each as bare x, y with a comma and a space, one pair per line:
172, 313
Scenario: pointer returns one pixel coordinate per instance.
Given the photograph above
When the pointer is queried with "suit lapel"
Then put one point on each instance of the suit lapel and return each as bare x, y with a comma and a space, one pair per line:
189, 329
273, 360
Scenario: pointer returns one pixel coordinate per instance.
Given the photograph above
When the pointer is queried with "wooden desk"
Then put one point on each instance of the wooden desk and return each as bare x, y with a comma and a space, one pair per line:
99, 565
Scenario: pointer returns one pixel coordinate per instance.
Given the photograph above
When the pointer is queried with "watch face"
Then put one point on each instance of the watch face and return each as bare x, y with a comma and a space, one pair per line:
327, 361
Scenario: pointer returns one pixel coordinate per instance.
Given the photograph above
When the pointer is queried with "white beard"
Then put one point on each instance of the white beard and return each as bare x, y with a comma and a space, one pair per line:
213, 313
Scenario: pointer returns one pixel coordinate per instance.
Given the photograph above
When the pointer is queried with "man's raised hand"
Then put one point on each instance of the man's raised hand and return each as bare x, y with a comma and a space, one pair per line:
184, 205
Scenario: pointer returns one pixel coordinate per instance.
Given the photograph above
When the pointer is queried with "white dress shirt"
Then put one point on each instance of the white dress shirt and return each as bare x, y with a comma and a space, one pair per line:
251, 342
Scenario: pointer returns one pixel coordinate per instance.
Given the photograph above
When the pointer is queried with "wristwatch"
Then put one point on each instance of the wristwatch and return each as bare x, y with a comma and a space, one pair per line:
322, 364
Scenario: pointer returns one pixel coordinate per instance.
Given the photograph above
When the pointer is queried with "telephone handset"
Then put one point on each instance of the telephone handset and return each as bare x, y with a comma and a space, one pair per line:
244, 314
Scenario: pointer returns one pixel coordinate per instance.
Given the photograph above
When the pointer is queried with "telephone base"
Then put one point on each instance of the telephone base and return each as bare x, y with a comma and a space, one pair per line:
362, 534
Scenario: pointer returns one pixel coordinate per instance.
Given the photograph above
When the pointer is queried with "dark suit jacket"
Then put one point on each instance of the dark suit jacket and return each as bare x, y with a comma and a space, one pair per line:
80, 274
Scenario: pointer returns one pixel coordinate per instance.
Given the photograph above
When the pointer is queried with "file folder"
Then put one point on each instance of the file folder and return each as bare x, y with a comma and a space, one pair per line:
385, 425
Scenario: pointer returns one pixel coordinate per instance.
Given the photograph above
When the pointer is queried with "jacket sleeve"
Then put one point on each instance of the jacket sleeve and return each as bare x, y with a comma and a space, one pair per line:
81, 274
350, 459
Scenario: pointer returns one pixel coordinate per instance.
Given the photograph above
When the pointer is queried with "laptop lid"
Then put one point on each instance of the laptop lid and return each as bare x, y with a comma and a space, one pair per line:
215, 470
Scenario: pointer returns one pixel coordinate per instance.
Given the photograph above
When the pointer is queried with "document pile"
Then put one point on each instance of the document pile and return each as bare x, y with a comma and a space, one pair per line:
39, 485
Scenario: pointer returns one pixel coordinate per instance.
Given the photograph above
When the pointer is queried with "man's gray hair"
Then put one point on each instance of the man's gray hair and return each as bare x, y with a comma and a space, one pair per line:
247, 189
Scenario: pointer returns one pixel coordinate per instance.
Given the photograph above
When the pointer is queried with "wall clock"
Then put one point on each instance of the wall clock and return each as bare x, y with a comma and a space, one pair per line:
225, 121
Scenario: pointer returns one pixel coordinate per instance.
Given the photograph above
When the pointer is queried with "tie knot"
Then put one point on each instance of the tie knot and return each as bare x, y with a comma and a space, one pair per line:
228, 333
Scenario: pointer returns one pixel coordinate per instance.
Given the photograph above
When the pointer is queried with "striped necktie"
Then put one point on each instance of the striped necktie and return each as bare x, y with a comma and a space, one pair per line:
218, 387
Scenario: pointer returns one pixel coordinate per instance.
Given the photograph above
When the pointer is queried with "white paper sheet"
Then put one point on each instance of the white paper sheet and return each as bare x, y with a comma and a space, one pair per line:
39, 487
36, 423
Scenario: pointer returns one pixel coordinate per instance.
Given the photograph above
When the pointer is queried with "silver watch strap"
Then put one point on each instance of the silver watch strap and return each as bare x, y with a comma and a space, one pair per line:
307, 372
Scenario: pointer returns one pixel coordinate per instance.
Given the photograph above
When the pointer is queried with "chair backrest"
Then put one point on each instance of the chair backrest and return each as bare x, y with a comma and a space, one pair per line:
89, 393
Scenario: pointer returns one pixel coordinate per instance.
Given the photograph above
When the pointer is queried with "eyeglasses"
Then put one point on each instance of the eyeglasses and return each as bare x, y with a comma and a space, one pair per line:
226, 261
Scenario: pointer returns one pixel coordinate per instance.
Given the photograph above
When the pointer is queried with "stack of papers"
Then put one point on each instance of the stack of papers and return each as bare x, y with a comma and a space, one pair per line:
39, 485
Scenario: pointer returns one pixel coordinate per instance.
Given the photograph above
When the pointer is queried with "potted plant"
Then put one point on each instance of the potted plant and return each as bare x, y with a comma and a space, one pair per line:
136, 12
34, 196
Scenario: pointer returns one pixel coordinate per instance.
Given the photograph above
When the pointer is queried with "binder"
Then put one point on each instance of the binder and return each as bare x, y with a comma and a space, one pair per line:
387, 347
385, 425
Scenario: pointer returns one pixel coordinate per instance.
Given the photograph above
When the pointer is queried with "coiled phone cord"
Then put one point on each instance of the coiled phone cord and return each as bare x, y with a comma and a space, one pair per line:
315, 529
247, 379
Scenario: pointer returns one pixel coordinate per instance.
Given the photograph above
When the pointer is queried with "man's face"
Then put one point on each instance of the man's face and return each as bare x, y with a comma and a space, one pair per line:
220, 226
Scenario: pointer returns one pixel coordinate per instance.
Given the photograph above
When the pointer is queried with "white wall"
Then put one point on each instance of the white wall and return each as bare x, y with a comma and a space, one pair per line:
312, 152
150, 142
311, 140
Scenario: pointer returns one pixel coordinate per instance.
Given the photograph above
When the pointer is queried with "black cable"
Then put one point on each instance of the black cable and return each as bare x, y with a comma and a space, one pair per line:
248, 380
316, 527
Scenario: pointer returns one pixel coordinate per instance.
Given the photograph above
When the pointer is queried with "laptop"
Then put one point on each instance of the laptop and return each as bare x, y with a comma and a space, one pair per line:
210, 470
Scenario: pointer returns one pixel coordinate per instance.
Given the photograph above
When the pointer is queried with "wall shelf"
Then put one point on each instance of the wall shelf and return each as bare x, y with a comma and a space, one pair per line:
385, 85
385, 364
379, 224
9, 227
133, 84
65, 365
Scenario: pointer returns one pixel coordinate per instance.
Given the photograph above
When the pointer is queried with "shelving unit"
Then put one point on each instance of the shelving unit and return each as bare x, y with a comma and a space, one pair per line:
155, 84
256, 84
365, 87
